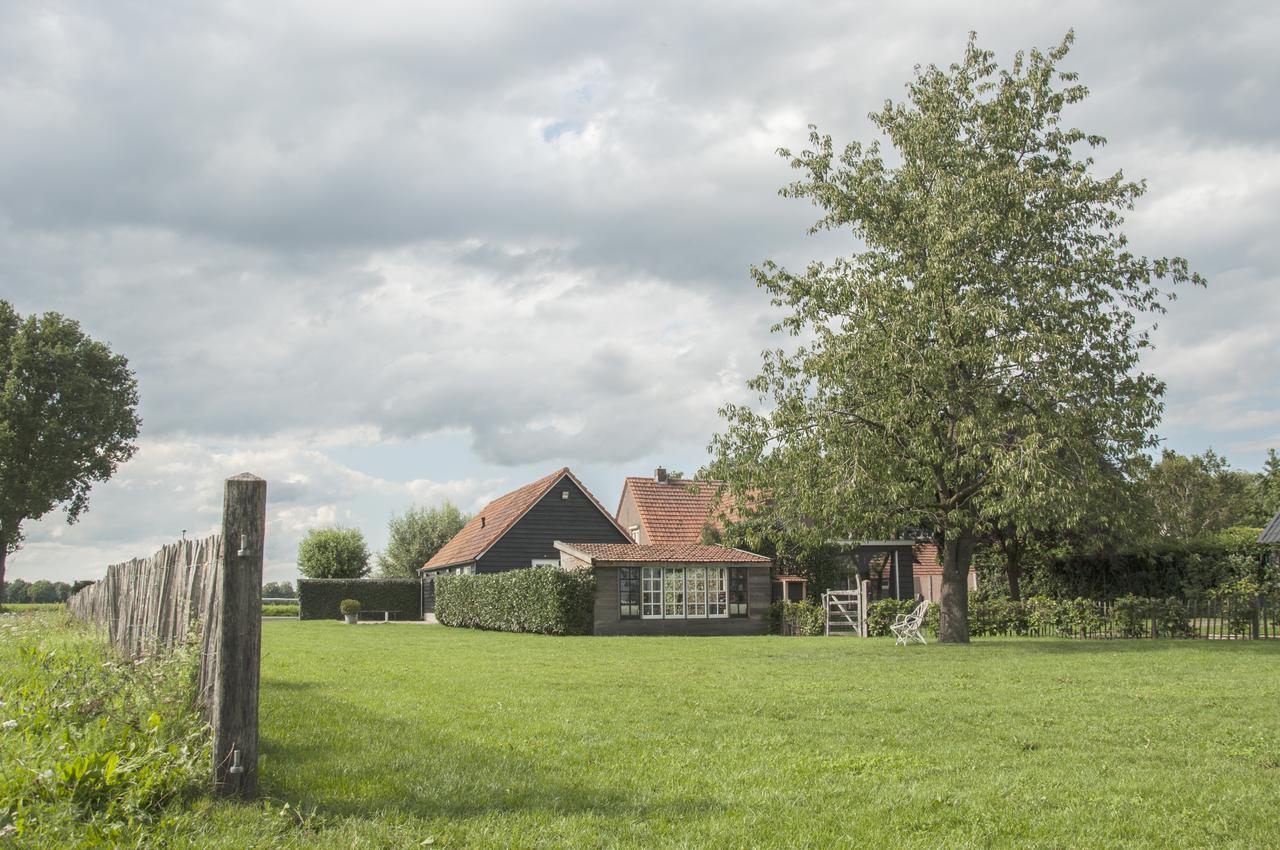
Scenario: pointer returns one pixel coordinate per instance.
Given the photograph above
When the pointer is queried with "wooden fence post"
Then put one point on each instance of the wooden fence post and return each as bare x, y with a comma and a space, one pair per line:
238, 638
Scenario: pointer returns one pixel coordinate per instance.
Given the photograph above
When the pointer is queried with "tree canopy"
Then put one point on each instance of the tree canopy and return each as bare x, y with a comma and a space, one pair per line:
333, 553
976, 361
416, 535
1198, 495
68, 419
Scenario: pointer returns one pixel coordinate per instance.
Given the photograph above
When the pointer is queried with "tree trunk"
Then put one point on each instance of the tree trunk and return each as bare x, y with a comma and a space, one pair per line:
957, 554
4, 556
1013, 569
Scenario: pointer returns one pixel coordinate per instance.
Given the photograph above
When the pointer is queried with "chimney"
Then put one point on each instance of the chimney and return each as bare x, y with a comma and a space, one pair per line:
660, 475
482, 522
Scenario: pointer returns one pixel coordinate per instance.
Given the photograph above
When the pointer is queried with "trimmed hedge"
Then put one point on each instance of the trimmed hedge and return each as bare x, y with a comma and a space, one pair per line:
802, 619
542, 600
318, 598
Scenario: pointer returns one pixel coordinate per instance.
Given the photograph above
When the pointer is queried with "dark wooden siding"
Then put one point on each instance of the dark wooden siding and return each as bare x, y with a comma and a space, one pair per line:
608, 621
572, 520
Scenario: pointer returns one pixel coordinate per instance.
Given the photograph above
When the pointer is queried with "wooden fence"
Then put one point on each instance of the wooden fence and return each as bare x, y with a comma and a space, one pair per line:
206, 592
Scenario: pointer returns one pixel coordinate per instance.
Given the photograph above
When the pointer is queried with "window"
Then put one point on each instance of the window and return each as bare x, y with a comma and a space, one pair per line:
738, 592
629, 592
696, 591
545, 562
683, 593
651, 592
635, 533
673, 593
717, 592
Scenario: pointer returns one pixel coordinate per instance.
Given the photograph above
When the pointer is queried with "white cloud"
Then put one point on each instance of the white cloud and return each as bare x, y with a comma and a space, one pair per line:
385, 256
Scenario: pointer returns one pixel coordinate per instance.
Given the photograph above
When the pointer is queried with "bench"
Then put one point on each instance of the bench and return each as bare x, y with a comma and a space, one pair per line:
386, 615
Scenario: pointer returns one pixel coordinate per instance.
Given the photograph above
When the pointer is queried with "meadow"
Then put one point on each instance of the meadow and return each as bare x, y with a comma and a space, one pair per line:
414, 735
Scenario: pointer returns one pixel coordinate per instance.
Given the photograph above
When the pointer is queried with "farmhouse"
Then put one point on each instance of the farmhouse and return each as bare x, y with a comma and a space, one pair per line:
519, 530
666, 510
675, 511
674, 589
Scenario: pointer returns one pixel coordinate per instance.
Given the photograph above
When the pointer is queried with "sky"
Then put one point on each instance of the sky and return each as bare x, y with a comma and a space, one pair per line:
387, 254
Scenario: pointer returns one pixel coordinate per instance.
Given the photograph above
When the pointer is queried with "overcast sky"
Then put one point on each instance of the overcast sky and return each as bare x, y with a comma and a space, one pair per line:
395, 253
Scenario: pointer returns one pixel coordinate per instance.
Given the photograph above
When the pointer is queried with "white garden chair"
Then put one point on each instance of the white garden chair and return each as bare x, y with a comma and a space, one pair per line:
906, 628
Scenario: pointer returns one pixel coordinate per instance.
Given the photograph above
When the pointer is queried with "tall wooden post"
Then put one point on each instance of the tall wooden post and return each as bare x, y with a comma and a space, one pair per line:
234, 714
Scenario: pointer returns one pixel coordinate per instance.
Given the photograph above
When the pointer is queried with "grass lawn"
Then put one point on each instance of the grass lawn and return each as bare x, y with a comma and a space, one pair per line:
395, 735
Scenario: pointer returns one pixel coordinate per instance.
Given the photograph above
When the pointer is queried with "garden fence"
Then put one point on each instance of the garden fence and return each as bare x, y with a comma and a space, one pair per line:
1257, 618
207, 592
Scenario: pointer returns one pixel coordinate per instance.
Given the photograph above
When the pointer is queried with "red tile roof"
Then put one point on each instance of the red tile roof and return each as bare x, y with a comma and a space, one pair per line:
929, 560
674, 553
490, 524
676, 510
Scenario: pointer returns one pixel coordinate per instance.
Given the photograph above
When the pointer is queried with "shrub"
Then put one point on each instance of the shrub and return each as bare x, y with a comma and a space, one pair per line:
1081, 617
333, 553
806, 619
1129, 616
1173, 619
349, 607
542, 600
1044, 615
281, 610
318, 599
882, 613
1237, 601
996, 616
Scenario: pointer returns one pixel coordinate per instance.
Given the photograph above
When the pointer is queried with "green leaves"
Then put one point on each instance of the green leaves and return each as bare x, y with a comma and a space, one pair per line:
333, 553
543, 600
416, 535
68, 417
976, 362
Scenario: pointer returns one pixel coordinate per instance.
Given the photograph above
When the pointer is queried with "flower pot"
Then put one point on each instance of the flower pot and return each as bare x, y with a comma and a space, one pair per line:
352, 619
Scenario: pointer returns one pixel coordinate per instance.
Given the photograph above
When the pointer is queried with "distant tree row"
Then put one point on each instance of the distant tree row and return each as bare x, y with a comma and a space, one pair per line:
20, 591
413, 537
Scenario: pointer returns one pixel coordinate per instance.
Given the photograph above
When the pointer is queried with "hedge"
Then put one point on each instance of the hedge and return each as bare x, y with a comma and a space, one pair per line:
542, 600
802, 619
318, 598
1188, 569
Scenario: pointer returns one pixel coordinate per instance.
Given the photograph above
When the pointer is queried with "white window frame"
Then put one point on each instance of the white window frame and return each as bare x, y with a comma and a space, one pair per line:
651, 593
722, 588
545, 562
669, 591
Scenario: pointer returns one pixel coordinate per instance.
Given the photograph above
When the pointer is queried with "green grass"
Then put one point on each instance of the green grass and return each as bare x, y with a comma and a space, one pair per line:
488, 739
390, 736
29, 607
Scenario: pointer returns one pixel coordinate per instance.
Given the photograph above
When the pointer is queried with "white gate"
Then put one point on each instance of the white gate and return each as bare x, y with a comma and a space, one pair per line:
846, 611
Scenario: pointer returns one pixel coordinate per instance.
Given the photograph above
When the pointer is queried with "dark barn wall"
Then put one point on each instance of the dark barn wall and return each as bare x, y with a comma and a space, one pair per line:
572, 520
608, 621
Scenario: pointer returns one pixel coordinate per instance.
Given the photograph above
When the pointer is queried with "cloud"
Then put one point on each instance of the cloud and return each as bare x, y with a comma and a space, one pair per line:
382, 254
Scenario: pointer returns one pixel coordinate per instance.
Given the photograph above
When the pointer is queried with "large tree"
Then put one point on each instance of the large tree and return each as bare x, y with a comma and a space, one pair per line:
976, 360
1197, 495
68, 418
417, 534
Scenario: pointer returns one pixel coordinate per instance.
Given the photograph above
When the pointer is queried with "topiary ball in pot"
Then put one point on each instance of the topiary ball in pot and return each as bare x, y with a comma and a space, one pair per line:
350, 609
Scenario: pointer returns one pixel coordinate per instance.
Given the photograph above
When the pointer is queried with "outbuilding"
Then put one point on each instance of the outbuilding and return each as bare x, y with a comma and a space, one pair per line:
679, 589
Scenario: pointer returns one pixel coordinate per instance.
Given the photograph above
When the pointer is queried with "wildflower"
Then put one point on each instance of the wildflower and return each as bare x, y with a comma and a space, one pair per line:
9, 724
